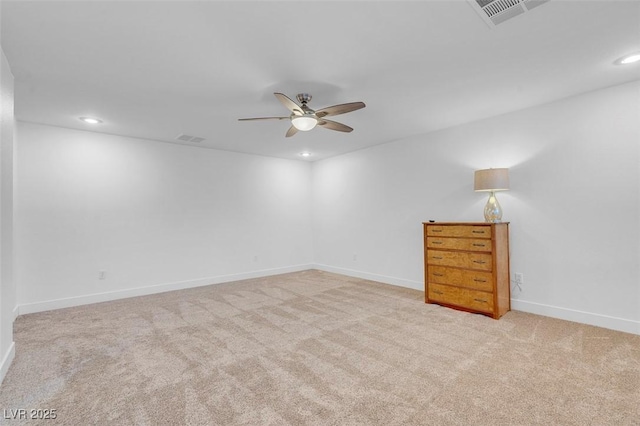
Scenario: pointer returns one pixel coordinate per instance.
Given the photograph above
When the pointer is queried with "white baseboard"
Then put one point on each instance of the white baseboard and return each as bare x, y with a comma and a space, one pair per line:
7, 360
49, 305
401, 282
598, 320
16, 312
613, 323
604, 321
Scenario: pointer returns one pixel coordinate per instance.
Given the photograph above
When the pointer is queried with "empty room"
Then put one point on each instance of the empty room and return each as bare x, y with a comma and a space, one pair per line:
320, 212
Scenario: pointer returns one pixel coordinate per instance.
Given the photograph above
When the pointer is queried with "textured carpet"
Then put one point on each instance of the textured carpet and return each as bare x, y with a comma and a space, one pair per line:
320, 349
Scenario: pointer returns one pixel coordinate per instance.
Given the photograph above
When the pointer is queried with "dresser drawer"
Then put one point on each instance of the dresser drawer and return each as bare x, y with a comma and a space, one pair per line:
466, 260
476, 280
470, 299
459, 244
466, 231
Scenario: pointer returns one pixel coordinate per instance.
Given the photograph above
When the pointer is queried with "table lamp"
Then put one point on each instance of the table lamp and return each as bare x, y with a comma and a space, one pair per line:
491, 180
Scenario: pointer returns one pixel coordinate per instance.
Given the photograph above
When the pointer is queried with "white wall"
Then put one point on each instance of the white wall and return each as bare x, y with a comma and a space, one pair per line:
7, 286
574, 205
159, 216
154, 216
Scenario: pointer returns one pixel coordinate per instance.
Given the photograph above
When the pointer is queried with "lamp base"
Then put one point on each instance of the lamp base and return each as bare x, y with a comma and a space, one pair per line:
493, 210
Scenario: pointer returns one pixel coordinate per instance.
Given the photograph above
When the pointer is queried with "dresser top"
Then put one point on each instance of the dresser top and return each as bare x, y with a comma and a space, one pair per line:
465, 223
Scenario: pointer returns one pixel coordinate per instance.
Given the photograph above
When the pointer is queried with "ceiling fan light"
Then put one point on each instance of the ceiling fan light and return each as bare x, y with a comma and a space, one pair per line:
304, 123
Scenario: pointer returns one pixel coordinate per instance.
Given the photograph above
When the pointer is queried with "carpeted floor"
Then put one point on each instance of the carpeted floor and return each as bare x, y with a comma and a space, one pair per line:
320, 349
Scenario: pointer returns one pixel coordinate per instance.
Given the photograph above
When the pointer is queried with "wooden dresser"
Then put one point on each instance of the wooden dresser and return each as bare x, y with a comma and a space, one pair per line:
466, 266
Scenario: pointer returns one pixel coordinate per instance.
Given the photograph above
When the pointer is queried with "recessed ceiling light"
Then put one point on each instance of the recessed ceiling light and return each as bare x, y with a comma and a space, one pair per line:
90, 120
628, 59
305, 154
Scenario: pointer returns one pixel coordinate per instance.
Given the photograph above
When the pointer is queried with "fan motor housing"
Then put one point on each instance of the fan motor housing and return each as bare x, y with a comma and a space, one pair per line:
303, 98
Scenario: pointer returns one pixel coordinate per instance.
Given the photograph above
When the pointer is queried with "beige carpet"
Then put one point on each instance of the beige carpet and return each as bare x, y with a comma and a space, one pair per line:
319, 349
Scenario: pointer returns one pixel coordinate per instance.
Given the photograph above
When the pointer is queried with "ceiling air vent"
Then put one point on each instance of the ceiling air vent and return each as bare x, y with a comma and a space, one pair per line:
188, 138
494, 12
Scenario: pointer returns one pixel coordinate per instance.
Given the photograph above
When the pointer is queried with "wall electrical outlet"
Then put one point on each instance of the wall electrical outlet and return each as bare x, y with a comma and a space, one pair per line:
518, 277
102, 275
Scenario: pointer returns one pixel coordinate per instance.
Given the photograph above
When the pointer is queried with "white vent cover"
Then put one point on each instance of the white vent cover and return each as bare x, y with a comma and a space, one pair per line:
189, 138
494, 12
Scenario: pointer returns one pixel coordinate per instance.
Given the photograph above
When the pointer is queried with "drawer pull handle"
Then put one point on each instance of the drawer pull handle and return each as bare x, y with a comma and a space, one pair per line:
478, 280
438, 275
478, 232
437, 242
437, 257
436, 292
479, 261
479, 245
480, 300
436, 230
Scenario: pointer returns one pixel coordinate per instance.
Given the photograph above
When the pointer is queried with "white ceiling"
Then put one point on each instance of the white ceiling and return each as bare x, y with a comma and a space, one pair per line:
157, 69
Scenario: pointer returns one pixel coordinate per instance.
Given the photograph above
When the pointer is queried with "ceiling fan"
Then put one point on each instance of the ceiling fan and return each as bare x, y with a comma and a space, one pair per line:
304, 118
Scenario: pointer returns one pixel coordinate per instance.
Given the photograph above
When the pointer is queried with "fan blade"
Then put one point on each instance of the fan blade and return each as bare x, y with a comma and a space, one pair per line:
263, 118
292, 131
339, 109
334, 125
289, 104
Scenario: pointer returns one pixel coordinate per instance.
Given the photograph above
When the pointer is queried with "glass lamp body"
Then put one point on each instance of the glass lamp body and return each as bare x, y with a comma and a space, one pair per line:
493, 210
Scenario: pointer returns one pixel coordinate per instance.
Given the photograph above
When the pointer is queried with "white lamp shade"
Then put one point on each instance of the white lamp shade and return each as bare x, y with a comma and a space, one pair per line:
491, 180
304, 122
